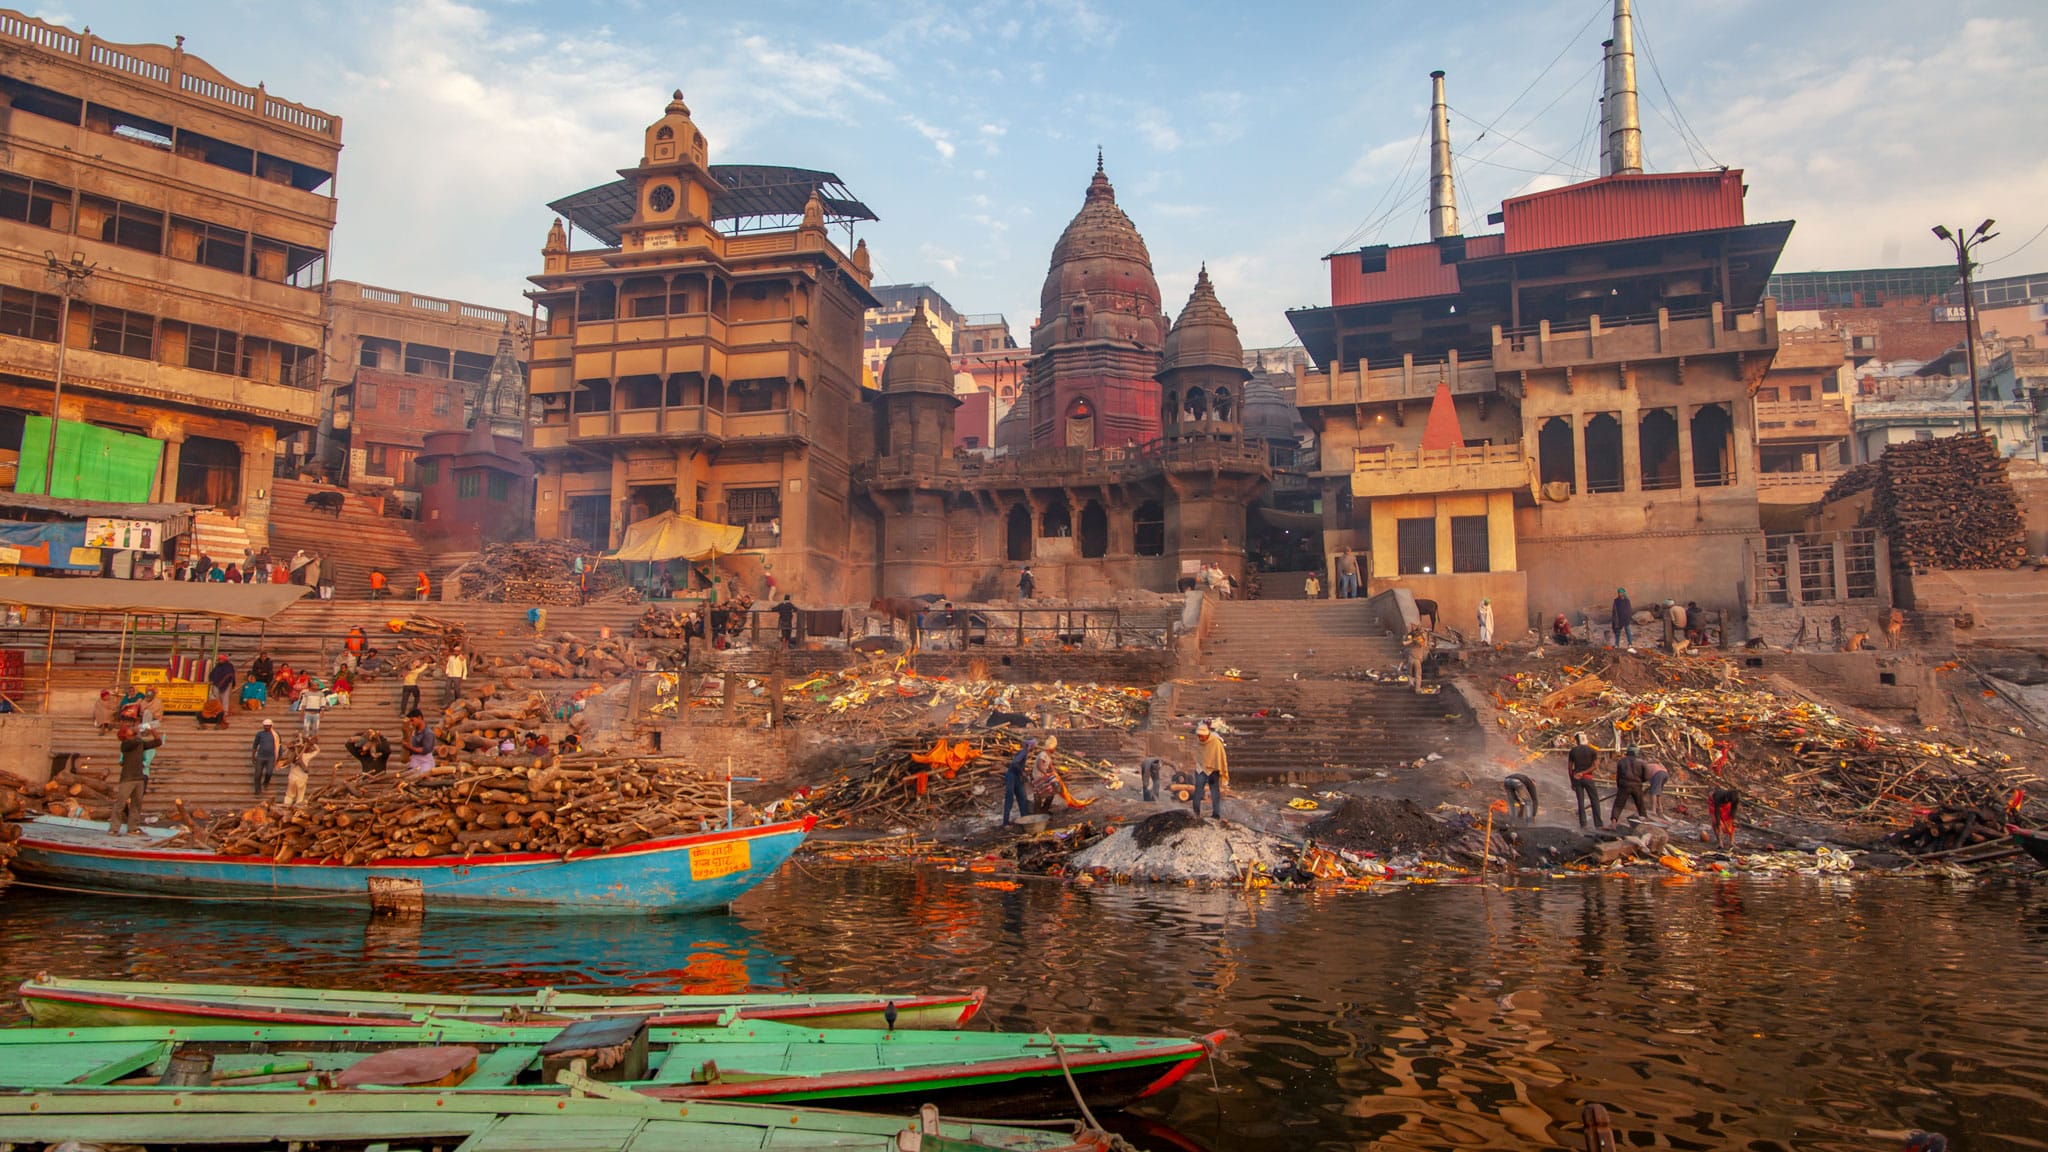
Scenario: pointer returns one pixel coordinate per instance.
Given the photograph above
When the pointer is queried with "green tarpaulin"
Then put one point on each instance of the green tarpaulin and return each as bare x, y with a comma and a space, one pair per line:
92, 463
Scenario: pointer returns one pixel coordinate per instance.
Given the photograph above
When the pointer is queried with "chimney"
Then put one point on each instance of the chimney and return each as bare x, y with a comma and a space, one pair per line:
1624, 129
1443, 196
1606, 102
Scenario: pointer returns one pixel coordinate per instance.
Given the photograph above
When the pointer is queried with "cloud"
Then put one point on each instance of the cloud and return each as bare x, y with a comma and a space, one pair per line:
941, 140
943, 259
1160, 133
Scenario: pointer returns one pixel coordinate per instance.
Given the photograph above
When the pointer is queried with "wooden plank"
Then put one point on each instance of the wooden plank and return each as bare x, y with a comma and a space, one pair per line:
85, 1062
501, 1067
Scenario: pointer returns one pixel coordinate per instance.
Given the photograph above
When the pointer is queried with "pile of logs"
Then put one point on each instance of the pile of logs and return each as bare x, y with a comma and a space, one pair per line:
566, 656
82, 791
475, 725
569, 803
16, 797
414, 640
542, 572
1861, 478
1949, 827
922, 779
1948, 503
667, 623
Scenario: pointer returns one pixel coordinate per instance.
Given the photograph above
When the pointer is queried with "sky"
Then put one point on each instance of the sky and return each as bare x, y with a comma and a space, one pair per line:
1255, 137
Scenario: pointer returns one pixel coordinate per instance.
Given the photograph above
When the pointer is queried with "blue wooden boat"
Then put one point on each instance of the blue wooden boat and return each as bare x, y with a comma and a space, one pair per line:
690, 873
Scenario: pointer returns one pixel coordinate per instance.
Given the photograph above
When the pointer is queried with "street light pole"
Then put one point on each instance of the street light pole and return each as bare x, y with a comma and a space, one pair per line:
74, 273
1963, 246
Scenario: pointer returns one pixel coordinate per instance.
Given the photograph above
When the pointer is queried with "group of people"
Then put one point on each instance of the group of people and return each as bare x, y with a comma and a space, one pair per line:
1208, 771
1345, 582
1683, 625
260, 568
380, 585
265, 681
1639, 783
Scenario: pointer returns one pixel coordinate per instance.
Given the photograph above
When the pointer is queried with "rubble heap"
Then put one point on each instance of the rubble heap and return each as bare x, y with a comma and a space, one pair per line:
569, 803
1789, 756
541, 572
1948, 503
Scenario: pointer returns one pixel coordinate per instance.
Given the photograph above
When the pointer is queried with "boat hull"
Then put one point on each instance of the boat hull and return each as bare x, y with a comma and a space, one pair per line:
55, 1002
690, 873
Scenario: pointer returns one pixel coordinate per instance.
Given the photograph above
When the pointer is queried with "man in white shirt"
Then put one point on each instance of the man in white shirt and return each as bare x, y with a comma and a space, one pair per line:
455, 671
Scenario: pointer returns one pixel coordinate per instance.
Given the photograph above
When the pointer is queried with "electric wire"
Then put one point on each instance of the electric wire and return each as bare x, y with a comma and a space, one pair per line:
1683, 125
2016, 251
1370, 220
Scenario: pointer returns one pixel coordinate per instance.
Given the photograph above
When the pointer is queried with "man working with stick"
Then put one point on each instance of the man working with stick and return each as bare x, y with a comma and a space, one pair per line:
1212, 768
1013, 781
1631, 779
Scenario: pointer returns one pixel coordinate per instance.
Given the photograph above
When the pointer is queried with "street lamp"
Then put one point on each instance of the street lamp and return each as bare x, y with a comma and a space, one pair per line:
1963, 244
73, 274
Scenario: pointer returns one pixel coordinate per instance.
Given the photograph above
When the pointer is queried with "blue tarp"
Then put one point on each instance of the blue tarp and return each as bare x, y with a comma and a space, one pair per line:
47, 545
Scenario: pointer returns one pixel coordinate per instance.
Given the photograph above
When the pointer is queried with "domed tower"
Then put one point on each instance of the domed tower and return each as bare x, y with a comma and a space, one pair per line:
672, 186
1202, 374
1013, 431
917, 393
916, 462
1099, 334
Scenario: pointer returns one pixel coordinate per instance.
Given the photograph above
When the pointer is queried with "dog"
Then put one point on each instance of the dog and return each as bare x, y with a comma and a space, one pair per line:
1894, 625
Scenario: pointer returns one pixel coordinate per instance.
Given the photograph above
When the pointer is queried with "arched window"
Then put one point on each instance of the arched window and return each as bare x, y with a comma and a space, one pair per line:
1080, 423
1094, 530
1713, 446
1556, 460
1603, 452
1198, 404
1018, 533
1057, 520
1222, 403
1658, 437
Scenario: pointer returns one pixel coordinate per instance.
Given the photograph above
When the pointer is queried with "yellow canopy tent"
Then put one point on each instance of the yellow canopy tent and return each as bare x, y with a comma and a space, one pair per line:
670, 536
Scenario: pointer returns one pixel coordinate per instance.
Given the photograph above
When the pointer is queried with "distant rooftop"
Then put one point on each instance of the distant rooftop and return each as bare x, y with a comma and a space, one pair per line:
906, 296
1860, 287
754, 197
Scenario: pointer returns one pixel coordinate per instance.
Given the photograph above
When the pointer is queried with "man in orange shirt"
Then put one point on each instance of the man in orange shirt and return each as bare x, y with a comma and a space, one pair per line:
377, 584
424, 586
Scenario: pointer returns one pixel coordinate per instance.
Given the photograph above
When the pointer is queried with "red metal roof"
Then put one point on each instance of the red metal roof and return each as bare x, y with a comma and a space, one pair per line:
1627, 207
1413, 272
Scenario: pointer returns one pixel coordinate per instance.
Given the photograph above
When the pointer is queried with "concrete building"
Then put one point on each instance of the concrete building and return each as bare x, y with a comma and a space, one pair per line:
1802, 418
202, 210
2013, 307
1885, 314
706, 358
401, 366
1540, 414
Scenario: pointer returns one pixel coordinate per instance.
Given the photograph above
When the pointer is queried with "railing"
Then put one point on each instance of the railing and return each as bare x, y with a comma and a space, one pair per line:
1666, 332
1387, 460
1821, 476
1407, 380
169, 67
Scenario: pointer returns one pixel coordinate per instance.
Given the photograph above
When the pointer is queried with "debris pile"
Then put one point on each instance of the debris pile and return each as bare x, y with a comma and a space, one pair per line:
923, 779
542, 572
1948, 503
570, 803
1788, 756
1377, 825
1950, 827
881, 697
1177, 845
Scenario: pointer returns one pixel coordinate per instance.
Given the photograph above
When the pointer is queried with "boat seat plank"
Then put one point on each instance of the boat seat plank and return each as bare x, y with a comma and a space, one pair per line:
260, 1130
501, 1067
548, 1134
87, 1062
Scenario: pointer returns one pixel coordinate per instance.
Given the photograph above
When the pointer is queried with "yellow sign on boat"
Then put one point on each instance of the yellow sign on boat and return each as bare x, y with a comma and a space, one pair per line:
710, 861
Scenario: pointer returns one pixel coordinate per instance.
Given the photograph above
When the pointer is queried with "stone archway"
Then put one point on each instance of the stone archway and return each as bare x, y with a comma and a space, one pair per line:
1094, 536
1017, 533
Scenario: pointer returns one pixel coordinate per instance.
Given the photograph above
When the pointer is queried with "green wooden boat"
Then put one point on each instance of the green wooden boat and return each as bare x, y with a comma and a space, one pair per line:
975, 1073
62, 1002
486, 1122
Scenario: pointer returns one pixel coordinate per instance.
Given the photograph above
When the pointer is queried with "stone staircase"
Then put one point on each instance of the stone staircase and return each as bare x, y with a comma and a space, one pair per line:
351, 544
210, 768
2007, 608
1278, 638
218, 536
1304, 731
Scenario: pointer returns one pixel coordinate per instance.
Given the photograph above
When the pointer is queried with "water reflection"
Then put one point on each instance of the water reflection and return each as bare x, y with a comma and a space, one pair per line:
1809, 1014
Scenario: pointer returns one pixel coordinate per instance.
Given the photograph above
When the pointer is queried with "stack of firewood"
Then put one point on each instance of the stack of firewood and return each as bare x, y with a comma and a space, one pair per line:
1948, 503
1861, 478
667, 623
565, 656
566, 804
1952, 826
478, 724
542, 572
16, 798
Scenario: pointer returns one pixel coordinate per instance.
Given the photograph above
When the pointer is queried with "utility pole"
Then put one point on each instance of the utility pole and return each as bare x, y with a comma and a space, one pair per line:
1963, 246
73, 274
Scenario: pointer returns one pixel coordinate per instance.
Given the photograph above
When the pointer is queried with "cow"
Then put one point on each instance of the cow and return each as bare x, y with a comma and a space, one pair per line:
329, 502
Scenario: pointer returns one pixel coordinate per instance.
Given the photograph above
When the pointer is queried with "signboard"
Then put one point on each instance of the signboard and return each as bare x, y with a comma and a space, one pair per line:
9, 555
1949, 314
130, 535
83, 558
174, 695
710, 861
147, 676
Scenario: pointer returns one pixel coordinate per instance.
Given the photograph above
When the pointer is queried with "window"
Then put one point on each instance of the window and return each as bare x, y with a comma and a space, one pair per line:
1802, 392
29, 314
426, 360
1415, 545
752, 505
34, 202
1470, 549
405, 398
752, 396
468, 485
1922, 434
472, 367
500, 487
131, 226
430, 473
1767, 395
366, 396
1830, 386
42, 101
210, 349
212, 245
122, 333
440, 402
1863, 343
374, 460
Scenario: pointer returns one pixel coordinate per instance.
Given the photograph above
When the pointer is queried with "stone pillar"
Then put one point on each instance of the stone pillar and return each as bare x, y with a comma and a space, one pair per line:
1685, 447
1578, 420
617, 514
259, 449
167, 478
1443, 536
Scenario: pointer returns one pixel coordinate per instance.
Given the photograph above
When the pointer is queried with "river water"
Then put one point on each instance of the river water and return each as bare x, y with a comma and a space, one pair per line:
1757, 1014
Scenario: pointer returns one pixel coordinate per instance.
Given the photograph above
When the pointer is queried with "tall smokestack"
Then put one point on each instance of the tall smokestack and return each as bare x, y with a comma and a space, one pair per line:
1443, 196
1606, 103
1624, 129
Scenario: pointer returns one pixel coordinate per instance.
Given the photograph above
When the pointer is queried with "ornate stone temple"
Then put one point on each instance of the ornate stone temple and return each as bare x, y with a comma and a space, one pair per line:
1124, 464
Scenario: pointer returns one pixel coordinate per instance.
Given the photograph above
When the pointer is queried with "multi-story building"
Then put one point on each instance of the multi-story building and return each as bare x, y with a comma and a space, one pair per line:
706, 359
2013, 307
1540, 414
1802, 418
885, 322
186, 218
1884, 314
989, 371
400, 366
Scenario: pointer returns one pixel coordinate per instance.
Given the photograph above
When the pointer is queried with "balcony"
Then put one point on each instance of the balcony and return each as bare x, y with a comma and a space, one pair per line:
1666, 335
166, 383
1435, 471
1407, 380
1796, 487
687, 422
1801, 419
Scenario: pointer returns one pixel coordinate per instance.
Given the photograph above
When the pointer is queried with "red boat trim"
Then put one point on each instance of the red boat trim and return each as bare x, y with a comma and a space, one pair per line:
973, 1005
214, 1010
1210, 1043
1187, 1052
499, 859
